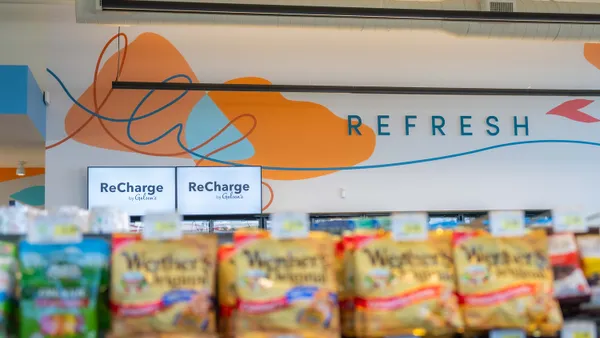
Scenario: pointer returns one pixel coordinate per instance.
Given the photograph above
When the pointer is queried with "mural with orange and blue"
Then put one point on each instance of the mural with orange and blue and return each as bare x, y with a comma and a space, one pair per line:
291, 140
13, 187
213, 129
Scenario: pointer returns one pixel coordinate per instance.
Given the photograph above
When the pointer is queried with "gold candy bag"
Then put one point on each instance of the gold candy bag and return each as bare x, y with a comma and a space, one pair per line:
256, 334
226, 290
404, 288
163, 287
506, 282
345, 253
286, 286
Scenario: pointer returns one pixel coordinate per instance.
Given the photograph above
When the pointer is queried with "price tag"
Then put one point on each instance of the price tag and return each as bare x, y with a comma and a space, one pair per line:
65, 230
578, 329
507, 334
50, 229
581, 334
157, 226
507, 223
410, 226
287, 225
568, 220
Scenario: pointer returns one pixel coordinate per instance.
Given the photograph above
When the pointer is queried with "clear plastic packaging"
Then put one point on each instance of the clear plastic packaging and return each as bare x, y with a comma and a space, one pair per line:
107, 220
80, 216
15, 220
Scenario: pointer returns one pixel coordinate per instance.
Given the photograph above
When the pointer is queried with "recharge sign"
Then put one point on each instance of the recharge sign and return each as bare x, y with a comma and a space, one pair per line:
219, 190
135, 190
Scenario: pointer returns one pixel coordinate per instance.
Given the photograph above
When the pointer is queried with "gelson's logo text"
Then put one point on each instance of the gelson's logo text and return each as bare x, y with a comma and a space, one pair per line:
222, 191
137, 192
294, 268
422, 265
169, 269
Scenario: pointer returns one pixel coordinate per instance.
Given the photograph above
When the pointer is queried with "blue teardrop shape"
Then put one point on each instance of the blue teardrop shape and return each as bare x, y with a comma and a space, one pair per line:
205, 120
34, 196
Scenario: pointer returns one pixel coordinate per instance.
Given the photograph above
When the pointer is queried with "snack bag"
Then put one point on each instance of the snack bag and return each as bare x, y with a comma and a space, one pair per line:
226, 290
257, 334
59, 288
163, 287
506, 282
286, 286
8, 271
404, 287
589, 248
104, 315
569, 281
346, 292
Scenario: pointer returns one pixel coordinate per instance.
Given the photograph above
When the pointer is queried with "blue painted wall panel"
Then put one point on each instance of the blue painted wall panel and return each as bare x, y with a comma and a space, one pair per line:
36, 109
13, 89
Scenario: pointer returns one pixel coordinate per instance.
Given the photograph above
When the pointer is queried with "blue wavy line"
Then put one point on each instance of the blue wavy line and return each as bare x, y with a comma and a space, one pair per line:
179, 128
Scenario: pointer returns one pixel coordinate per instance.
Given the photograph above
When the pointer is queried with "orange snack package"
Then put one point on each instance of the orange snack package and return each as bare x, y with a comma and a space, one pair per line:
506, 282
404, 288
286, 286
226, 291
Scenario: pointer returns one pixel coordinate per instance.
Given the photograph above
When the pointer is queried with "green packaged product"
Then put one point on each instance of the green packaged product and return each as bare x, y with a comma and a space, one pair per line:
104, 299
60, 286
7, 287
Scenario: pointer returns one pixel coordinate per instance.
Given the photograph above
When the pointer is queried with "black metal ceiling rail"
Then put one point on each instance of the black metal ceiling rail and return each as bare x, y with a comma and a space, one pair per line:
381, 90
347, 12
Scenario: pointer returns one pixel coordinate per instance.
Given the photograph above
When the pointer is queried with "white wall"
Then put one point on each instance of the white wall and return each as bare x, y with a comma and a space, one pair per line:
25, 35
539, 175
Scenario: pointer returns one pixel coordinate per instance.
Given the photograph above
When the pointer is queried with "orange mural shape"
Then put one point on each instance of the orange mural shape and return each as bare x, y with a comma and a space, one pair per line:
293, 133
591, 52
9, 174
283, 133
150, 58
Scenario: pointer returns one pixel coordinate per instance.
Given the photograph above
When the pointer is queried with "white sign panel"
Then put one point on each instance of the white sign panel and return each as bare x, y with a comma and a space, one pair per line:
410, 226
507, 223
579, 329
162, 226
219, 190
569, 220
288, 225
134, 190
